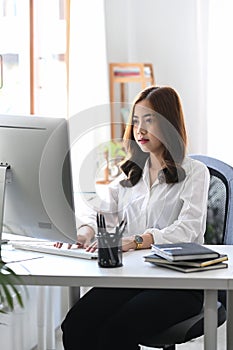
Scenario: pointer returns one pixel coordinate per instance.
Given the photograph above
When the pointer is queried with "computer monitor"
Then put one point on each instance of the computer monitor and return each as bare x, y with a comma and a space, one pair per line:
36, 191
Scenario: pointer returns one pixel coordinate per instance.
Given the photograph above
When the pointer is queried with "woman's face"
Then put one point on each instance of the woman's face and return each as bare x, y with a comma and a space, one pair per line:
145, 128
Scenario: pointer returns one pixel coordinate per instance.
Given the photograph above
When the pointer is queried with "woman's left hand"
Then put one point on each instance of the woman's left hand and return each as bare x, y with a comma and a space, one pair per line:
128, 243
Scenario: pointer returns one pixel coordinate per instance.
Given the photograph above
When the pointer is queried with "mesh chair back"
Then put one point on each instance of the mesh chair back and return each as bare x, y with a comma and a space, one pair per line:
220, 201
217, 208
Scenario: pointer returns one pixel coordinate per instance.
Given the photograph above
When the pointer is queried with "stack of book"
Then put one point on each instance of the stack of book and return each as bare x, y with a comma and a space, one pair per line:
186, 257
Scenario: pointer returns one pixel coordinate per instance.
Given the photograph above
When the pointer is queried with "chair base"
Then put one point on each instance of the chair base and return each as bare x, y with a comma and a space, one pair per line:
184, 331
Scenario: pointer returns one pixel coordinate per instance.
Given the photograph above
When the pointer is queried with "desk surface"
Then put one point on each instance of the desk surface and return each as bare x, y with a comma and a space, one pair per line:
51, 270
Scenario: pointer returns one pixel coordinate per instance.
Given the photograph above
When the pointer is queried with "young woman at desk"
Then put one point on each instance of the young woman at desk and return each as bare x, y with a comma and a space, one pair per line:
162, 193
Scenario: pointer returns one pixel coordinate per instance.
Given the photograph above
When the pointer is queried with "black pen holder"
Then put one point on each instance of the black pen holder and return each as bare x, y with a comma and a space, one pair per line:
109, 250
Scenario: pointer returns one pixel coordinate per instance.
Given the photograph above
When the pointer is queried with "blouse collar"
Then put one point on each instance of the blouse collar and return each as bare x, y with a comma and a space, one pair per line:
146, 174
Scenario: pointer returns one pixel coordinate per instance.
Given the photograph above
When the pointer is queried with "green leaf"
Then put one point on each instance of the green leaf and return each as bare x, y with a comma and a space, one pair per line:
8, 281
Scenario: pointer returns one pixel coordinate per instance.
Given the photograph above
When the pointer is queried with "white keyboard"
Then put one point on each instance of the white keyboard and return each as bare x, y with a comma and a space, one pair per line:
48, 248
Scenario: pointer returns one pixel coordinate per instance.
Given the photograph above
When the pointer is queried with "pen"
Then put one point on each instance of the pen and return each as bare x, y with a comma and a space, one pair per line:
122, 227
102, 233
100, 220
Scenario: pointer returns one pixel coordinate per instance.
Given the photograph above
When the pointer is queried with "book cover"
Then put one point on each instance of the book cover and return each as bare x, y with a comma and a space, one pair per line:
194, 263
183, 251
187, 269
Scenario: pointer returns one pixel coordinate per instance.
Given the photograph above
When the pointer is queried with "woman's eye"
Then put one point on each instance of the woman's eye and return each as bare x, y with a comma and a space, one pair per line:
149, 120
135, 121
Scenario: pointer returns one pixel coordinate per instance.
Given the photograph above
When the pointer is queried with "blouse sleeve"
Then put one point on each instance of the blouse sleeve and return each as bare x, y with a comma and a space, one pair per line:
190, 224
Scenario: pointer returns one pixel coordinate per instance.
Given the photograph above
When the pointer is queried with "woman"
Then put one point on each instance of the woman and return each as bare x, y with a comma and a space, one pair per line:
162, 194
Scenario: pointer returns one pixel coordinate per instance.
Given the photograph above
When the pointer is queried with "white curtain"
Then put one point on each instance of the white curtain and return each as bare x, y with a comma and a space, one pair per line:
88, 61
220, 79
88, 89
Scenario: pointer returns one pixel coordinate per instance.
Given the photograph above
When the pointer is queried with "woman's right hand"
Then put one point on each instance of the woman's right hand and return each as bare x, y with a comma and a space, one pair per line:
85, 235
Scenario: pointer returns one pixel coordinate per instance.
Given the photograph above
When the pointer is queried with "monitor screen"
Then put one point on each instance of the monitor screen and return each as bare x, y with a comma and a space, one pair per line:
38, 199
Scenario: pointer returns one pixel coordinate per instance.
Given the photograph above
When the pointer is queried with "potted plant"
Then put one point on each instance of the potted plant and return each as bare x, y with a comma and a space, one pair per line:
111, 154
8, 288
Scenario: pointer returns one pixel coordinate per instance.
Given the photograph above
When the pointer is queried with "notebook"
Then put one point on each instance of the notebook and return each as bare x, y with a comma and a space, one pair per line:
194, 263
193, 269
183, 251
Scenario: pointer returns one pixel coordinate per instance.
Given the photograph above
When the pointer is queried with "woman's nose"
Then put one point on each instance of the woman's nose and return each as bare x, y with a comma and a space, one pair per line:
141, 130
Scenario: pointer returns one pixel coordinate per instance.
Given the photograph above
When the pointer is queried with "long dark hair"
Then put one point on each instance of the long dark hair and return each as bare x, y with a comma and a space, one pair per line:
167, 104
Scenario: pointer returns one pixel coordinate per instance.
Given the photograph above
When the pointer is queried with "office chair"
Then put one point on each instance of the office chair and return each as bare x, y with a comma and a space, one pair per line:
218, 231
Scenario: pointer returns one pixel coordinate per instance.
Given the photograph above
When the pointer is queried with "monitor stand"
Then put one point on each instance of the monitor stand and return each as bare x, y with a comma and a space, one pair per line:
4, 178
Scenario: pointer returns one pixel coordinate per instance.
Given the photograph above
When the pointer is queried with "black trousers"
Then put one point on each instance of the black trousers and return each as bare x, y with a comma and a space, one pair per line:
119, 319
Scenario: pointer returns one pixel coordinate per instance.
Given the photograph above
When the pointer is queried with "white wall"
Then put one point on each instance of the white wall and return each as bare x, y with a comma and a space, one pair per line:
173, 36
220, 73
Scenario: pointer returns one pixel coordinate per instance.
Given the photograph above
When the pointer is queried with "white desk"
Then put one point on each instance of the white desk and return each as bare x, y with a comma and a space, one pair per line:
52, 271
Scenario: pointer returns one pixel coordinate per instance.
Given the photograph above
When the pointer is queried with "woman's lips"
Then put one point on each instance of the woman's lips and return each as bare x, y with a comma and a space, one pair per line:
143, 141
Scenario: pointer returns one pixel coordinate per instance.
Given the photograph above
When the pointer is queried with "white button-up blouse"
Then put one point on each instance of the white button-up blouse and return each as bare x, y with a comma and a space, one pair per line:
170, 212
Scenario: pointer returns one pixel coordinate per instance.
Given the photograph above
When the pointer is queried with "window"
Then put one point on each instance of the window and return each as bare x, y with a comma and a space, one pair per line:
33, 51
